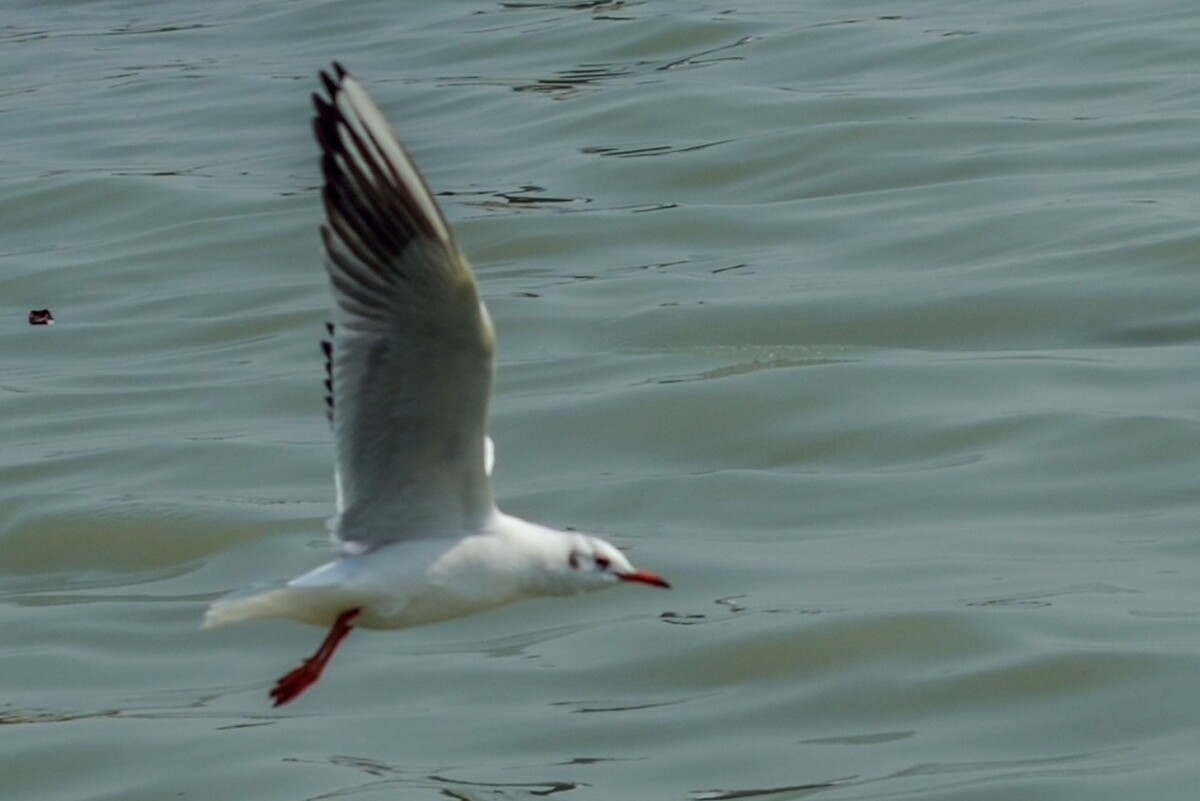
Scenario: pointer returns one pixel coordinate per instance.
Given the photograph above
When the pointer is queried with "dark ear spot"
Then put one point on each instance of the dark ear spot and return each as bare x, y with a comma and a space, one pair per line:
573, 560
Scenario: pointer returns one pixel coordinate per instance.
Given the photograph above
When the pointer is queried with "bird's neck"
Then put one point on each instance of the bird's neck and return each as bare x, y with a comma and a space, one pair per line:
538, 555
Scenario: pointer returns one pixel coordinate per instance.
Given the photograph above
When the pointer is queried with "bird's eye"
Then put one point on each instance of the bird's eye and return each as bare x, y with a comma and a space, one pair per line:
573, 560
602, 563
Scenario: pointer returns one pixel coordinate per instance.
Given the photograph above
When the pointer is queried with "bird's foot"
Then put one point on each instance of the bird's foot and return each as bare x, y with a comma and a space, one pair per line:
296, 682
303, 677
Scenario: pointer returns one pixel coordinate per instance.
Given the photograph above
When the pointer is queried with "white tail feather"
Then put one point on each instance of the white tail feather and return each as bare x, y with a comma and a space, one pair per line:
269, 604
289, 603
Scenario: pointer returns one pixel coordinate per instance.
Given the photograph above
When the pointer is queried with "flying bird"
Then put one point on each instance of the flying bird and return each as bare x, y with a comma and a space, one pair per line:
409, 363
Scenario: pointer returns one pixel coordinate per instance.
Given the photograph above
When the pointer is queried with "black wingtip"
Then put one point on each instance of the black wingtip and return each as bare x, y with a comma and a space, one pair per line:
327, 350
331, 81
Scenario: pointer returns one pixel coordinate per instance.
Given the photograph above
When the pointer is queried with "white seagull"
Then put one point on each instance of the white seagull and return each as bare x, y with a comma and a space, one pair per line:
418, 535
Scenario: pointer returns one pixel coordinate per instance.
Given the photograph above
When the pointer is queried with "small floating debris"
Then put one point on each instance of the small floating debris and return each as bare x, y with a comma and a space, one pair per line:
40, 317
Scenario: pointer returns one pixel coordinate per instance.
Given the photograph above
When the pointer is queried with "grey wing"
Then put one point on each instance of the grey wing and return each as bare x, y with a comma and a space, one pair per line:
411, 354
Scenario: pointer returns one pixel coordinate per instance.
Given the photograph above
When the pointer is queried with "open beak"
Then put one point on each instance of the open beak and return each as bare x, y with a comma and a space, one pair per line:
645, 577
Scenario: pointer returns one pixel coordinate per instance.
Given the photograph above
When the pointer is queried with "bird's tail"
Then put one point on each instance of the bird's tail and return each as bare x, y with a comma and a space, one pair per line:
274, 603
318, 606
317, 597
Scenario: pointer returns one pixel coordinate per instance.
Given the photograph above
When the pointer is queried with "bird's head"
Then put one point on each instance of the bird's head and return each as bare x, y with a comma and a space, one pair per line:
590, 563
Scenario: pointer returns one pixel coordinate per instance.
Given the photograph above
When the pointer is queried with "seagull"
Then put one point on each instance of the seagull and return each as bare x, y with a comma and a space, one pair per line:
418, 536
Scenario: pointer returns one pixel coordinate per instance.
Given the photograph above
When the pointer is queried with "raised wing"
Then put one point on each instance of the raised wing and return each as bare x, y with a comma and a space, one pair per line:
411, 353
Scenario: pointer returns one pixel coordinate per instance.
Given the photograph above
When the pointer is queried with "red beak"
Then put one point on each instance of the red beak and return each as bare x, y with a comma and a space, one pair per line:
646, 577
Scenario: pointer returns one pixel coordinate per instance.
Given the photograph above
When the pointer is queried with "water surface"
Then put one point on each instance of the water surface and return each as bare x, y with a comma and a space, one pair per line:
874, 328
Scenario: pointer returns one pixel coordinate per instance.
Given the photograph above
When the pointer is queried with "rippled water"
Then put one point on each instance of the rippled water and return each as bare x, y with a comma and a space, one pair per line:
875, 328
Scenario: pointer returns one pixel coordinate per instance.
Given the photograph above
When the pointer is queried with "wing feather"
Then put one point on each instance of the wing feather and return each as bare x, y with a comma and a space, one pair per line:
410, 360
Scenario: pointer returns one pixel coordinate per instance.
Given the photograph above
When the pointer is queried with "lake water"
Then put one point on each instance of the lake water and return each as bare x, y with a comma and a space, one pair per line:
874, 327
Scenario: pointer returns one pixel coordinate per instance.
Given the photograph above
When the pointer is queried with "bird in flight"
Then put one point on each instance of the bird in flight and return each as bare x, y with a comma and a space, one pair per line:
409, 372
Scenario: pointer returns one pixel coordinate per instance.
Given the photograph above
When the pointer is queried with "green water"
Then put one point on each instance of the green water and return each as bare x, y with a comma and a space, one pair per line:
875, 328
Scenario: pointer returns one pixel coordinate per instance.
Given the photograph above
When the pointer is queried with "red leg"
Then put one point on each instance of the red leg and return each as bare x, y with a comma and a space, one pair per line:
299, 680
